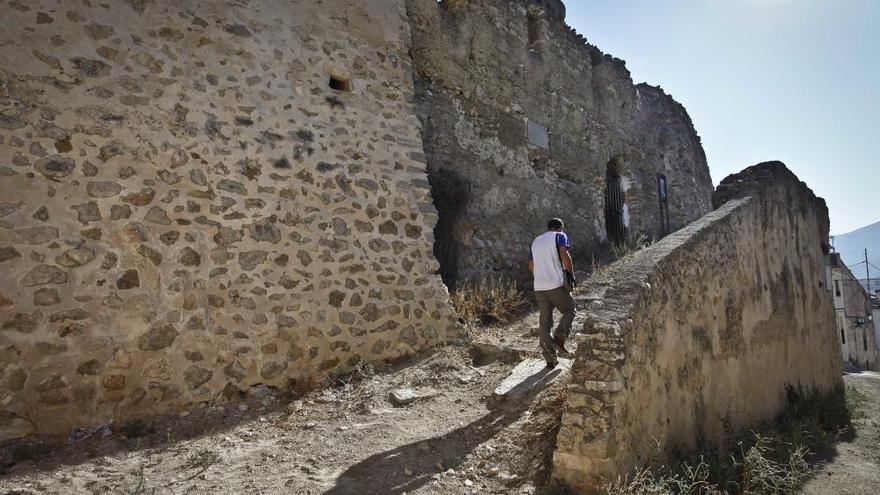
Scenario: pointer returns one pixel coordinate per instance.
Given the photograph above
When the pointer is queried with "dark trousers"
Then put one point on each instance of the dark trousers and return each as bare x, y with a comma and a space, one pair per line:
560, 299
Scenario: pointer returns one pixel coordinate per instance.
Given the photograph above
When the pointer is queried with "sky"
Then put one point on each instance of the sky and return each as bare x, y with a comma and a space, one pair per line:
790, 80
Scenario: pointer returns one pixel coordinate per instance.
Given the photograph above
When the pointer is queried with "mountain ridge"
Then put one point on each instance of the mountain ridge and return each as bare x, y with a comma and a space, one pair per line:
852, 245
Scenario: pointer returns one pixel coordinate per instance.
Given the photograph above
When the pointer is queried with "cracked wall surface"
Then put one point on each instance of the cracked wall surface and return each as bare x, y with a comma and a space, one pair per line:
188, 209
711, 330
484, 69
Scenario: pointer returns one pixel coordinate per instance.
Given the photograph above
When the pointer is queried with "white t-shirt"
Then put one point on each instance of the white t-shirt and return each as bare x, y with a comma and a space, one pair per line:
545, 256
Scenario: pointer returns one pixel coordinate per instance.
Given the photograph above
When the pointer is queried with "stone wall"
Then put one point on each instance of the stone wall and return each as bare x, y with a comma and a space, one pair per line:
198, 197
484, 70
712, 325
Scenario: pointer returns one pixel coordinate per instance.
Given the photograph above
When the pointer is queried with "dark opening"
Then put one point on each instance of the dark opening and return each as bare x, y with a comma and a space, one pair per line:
537, 31
450, 198
837, 288
865, 339
842, 336
663, 193
340, 84
614, 200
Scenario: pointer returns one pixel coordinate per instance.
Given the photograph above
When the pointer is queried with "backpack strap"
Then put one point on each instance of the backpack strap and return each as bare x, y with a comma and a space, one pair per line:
558, 256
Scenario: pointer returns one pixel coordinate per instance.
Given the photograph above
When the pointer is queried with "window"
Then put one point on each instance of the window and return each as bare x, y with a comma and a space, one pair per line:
865, 339
837, 288
537, 30
338, 83
843, 336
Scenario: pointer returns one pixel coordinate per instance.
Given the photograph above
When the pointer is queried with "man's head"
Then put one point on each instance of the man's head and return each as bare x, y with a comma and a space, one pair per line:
555, 224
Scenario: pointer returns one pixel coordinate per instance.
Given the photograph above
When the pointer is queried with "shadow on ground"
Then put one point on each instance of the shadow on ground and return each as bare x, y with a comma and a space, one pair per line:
406, 468
42, 453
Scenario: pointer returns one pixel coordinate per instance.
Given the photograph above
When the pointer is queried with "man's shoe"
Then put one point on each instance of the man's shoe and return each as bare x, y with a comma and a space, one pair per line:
551, 365
560, 347
561, 351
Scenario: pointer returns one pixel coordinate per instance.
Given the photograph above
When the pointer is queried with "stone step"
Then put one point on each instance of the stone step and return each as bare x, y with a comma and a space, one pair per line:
530, 377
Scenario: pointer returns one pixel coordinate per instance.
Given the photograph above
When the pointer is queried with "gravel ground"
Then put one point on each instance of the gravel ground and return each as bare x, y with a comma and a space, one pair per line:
348, 439
855, 470
354, 438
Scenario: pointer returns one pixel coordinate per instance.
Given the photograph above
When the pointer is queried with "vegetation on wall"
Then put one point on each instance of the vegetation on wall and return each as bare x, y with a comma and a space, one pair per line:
775, 459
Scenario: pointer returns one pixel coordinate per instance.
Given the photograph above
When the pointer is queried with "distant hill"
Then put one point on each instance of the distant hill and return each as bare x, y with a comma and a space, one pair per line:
852, 247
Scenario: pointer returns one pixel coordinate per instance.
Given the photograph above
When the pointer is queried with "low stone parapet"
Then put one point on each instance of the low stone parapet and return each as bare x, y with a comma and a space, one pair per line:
706, 332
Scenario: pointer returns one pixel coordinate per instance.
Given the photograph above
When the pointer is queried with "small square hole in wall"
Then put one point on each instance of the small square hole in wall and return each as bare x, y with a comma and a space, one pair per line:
338, 83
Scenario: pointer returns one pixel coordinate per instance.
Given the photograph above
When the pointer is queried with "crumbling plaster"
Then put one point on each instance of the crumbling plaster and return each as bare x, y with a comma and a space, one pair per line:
708, 332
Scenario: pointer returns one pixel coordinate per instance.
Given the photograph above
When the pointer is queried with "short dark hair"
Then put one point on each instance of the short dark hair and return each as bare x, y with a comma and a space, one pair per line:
555, 223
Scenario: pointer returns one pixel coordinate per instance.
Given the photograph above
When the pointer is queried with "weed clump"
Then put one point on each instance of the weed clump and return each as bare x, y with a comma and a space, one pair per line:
776, 459
856, 403
202, 459
632, 244
488, 301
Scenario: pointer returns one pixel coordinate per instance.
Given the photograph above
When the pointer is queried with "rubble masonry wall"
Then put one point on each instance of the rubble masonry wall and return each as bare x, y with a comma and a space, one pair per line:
484, 69
189, 209
710, 326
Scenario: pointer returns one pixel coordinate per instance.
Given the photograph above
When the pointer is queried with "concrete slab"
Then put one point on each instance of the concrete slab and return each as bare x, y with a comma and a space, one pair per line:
530, 377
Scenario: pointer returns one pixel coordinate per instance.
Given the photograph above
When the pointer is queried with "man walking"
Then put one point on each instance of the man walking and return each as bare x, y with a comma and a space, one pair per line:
551, 265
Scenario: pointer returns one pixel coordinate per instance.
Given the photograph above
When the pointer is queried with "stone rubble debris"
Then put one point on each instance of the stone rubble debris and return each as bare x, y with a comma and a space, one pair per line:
405, 396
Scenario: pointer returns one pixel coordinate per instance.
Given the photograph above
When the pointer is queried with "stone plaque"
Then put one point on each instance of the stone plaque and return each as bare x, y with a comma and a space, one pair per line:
538, 135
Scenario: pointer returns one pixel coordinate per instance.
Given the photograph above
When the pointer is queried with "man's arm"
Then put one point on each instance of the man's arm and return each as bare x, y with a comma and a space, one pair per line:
567, 262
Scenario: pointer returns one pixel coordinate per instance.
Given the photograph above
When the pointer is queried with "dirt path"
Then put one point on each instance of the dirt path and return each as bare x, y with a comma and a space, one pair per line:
349, 439
856, 468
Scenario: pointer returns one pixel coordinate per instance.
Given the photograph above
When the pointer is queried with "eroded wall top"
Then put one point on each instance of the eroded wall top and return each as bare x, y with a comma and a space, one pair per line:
492, 73
706, 333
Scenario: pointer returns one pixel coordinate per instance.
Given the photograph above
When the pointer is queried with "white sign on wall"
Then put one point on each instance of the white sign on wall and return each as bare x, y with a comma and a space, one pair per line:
538, 135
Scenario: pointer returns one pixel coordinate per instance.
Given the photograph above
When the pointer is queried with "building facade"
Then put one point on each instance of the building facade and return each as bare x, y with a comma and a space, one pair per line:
855, 318
875, 312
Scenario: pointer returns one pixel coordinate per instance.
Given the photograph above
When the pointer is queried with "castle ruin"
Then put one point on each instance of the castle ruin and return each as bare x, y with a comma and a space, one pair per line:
198, 197
524, 120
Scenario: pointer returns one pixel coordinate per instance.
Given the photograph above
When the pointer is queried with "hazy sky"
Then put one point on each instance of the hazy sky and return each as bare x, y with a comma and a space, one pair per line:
790, 80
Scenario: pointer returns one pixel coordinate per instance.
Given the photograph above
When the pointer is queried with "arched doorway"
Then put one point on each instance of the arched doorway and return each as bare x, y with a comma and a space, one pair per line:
450, 195
614, 204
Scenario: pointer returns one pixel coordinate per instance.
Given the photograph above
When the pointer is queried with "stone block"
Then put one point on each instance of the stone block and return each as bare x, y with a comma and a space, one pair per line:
530, 377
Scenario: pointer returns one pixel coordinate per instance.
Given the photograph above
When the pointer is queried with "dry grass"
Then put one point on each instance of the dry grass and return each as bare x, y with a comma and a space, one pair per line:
769, 466
856, 403
775, 461
598, 271
633, 243
488, 301
765, 471
202, 459
692, 481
